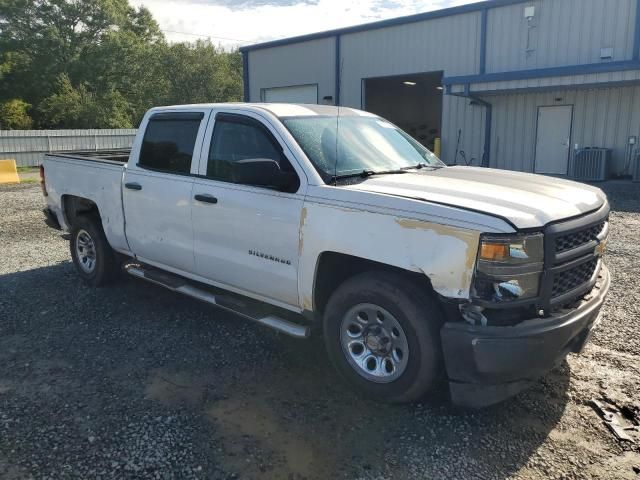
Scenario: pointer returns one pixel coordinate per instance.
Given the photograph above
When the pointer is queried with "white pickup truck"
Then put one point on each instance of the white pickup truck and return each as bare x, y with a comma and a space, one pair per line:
300, 215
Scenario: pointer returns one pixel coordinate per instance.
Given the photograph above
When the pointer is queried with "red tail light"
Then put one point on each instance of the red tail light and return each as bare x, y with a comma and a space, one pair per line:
43, 184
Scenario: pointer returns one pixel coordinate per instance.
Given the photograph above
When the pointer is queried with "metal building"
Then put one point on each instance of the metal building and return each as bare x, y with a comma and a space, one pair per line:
521, 85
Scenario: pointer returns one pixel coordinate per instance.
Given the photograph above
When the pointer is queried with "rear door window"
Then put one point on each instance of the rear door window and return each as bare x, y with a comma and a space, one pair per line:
169, 142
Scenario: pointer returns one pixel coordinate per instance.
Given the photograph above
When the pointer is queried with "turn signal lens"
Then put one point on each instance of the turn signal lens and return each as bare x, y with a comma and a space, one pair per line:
512, 250
494, 251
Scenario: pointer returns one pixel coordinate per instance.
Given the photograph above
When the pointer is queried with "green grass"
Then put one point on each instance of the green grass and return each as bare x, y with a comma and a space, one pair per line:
27, 169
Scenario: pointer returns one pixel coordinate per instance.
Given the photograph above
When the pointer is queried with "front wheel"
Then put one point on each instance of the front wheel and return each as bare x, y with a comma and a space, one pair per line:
382, 335
92, 255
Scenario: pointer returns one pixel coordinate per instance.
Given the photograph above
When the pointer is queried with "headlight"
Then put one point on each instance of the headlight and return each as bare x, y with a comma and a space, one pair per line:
509, 267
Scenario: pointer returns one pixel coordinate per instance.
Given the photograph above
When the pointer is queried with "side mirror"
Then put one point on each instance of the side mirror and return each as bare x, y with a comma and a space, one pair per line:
261, 172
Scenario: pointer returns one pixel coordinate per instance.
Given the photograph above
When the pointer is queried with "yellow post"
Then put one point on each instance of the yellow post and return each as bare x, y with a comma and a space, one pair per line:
437, 147
8, 172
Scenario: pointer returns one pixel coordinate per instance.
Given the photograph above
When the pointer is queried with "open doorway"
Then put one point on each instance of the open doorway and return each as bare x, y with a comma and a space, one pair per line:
413, 102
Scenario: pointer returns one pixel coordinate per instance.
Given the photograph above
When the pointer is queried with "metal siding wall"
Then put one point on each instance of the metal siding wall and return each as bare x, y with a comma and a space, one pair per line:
296, 64
27, 147
603, 117
459, 115
450, 44
567, 32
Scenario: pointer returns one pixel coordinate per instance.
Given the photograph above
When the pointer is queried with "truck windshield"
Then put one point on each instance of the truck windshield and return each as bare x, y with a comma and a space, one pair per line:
347, 146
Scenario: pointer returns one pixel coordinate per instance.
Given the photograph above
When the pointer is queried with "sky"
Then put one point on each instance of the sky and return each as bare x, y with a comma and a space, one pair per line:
233, 23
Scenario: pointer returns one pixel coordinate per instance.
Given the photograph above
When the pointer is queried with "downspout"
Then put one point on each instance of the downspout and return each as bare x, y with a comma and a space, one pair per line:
488, 118
245, 75
636, 36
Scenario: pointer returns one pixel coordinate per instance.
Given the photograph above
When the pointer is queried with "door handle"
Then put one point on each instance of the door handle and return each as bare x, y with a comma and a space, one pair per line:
133, 186
206, 198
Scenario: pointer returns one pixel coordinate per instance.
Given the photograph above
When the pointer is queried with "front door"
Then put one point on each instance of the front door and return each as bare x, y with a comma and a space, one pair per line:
553, 141
157, 191
246, 237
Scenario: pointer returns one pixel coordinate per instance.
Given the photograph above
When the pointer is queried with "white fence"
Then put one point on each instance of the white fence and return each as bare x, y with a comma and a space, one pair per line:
27, 147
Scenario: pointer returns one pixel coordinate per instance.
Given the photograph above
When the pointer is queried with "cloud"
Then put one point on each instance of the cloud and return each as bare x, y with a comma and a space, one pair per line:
242, 22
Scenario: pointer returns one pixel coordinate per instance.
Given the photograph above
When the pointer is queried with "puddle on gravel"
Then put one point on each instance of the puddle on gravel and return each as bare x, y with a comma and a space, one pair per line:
277, 452
280, 426
257, 443
174, 388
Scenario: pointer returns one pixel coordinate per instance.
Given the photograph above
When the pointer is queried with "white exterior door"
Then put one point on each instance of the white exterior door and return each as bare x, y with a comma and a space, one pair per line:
246, 238
294, 94
157, 191
553, 142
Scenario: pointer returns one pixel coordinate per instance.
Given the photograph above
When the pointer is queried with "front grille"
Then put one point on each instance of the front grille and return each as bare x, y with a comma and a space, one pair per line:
577, 239
573, 278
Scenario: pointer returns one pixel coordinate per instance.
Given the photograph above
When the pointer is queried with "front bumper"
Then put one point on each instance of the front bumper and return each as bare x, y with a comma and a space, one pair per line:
486, 365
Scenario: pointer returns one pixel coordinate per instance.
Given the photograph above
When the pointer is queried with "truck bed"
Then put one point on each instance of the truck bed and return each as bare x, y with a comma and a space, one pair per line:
94, 175
119, 156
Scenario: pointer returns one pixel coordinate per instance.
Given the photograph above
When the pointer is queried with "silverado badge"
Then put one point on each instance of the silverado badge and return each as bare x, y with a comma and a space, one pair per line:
256, 253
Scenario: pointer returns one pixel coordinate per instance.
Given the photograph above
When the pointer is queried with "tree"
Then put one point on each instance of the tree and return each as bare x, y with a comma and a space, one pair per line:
102, 63
14, 116
76, 107
130, 65
50, 35
202, 73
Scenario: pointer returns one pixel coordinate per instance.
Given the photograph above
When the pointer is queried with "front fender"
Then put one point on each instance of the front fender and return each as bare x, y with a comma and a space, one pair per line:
445, 254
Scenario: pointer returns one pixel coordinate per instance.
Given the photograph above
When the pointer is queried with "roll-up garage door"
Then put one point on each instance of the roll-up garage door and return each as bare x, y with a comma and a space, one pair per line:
294, 94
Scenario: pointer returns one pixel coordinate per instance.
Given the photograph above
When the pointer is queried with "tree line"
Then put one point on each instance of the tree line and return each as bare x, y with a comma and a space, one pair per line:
100, 64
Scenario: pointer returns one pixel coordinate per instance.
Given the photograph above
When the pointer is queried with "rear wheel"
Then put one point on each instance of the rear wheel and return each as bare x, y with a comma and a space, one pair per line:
382, 335
92, 255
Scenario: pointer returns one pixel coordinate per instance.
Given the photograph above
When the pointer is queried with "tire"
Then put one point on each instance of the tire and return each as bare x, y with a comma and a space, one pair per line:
89, 242
409, 363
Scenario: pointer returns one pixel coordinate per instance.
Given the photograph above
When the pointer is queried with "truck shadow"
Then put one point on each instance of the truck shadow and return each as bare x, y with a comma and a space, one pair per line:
274, 406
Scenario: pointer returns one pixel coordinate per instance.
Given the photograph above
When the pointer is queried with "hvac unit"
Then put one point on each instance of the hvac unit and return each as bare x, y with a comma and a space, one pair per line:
636, 168
591, 164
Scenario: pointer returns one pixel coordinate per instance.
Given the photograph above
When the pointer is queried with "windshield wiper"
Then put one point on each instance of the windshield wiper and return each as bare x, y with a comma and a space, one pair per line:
369, 173
420, 166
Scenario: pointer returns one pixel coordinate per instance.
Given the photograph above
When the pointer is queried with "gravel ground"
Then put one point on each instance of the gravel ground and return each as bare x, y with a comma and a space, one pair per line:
133, 382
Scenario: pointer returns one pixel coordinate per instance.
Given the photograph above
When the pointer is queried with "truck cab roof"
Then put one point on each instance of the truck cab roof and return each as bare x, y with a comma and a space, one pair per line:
280, 110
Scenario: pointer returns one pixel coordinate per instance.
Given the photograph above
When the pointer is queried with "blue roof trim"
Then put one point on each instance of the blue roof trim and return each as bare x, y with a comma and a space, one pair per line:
445, 12
545, 72
552, 88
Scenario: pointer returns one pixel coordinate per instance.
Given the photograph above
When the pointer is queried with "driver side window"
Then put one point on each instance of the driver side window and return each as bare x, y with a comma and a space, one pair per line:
242, 141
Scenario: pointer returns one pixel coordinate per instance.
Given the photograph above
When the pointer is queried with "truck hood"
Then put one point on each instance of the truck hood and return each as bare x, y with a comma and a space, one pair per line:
525, 200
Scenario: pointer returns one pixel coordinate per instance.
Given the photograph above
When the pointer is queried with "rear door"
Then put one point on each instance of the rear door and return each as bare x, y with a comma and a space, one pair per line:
157, 190
247, 237
553, 139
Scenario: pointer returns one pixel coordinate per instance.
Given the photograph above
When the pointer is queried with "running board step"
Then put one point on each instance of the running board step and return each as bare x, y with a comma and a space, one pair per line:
226, 302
